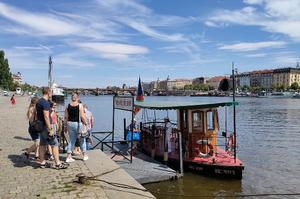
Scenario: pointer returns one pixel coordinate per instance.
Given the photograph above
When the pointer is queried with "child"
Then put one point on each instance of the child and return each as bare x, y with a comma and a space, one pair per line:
53, 119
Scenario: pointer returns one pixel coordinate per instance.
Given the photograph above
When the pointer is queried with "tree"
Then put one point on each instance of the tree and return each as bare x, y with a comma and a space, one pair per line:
6, 80
294, 86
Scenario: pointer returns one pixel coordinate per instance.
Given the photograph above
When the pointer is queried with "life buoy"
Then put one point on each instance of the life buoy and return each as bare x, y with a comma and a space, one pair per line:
210, 147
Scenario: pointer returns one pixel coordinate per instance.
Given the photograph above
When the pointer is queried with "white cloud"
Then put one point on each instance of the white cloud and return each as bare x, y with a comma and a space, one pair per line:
143, 28
113, 51
252, 2
247, 46
257, 55
43, 24
277, 17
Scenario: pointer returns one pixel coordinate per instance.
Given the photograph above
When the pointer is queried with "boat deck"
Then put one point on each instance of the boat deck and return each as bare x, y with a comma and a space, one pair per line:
221, 158
143, 168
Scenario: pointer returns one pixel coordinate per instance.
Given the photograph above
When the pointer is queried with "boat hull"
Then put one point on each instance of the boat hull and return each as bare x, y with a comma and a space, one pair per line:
204, 168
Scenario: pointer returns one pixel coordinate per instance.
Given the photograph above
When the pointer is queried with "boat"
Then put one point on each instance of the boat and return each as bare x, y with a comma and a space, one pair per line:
197, 126
296, 95
58, 94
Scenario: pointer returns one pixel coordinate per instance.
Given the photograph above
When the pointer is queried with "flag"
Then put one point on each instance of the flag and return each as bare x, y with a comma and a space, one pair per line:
139, 96
140, 92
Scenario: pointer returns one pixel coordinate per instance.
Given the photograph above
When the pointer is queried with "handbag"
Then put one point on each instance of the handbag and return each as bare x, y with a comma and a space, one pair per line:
36, 125
81, 129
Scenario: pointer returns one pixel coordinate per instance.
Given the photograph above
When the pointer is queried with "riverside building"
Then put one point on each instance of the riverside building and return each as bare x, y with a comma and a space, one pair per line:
286, 76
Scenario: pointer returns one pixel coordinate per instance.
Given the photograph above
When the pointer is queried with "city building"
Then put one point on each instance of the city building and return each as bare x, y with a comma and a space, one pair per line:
200, 80
286, 76
266, 79
17, 78
214, 82
244, 79
169, 85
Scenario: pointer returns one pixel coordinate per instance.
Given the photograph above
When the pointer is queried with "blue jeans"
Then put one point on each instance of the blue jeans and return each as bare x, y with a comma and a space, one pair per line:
73, 131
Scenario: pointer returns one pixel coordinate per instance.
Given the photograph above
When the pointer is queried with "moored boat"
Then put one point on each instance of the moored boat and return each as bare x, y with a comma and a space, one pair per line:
198, 125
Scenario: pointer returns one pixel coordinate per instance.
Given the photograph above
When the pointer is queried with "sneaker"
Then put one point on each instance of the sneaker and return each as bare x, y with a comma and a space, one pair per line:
85, 158
69, 160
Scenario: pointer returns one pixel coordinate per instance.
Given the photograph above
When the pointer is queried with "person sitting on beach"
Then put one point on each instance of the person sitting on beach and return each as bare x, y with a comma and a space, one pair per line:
74, 113
31, 116
90, 125
47, 135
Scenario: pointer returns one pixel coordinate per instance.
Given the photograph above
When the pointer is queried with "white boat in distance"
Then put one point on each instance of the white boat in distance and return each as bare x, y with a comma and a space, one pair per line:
57, 92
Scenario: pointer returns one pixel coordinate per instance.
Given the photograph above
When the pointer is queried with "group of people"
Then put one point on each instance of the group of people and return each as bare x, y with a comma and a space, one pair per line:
42, 111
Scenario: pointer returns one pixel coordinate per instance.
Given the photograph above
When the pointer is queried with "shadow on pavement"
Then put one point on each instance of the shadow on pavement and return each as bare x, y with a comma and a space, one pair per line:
21, 161
22, 138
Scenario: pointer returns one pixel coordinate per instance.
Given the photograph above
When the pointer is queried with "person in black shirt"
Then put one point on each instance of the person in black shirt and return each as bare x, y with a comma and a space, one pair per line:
47, 135
74, 119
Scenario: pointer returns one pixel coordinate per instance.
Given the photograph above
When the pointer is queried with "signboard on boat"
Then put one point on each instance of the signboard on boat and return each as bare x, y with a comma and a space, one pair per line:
123, 103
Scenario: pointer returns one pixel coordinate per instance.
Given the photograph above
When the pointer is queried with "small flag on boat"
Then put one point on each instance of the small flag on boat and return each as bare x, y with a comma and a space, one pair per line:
139, 96
140, 92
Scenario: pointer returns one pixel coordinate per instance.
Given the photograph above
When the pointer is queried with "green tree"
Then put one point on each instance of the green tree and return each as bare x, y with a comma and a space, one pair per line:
294, 86
6, 80
26, 87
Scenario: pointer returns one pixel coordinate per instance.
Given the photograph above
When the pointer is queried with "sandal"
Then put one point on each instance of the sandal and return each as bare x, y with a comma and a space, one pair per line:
46, 165
61, 166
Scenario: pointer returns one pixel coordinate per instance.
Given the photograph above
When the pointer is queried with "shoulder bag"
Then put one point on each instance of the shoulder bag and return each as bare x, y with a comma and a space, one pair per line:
81, 129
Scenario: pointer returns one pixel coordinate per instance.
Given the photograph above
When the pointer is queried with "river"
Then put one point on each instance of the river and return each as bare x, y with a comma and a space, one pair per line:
268, 132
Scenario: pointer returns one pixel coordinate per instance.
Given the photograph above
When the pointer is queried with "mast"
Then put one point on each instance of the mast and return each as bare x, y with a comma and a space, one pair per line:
50, 73
234, 111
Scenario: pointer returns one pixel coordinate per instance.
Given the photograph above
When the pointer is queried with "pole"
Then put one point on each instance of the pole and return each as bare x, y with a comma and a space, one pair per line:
113, 124
131, 129
234, 111
180, 153
125, 129
50, 73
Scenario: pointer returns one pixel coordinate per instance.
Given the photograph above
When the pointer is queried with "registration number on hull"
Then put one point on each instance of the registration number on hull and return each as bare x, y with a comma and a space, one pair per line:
217, 171
226, 172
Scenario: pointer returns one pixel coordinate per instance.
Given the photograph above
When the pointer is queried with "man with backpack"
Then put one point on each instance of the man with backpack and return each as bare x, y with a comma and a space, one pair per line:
47, 134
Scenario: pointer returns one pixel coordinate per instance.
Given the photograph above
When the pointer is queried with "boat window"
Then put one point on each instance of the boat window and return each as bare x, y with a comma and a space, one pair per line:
210, 120
184, 119
198, 121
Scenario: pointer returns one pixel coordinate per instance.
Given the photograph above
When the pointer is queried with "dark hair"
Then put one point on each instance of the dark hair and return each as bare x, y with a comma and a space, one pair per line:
52, 104
46, 90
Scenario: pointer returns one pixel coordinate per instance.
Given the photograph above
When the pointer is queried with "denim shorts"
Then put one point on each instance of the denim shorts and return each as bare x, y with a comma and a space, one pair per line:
46, 140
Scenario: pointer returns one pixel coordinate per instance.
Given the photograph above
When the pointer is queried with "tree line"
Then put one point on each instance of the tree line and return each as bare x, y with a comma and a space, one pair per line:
6, 80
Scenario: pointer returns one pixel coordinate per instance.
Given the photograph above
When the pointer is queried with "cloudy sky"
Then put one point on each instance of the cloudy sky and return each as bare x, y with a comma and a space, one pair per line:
96, 43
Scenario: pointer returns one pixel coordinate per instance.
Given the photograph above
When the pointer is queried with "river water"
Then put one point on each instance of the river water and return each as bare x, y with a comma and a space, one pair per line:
268, 132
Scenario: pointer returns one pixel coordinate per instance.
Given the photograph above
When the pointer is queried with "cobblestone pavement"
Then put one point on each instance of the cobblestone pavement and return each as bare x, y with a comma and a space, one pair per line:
21, 178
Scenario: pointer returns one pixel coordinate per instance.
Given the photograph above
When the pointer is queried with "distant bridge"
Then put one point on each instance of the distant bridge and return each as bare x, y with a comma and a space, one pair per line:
102, 91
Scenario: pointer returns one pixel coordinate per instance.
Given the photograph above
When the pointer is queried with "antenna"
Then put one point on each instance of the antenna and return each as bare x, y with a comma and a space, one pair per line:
234, 111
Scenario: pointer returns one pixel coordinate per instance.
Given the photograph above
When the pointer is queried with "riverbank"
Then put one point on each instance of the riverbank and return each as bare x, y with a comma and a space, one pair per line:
20, 178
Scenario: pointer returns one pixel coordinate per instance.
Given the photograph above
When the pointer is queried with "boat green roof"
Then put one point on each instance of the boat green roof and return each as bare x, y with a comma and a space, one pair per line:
162, 105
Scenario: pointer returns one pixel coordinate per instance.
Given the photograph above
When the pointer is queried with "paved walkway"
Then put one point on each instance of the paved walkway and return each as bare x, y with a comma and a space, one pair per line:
20, 178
